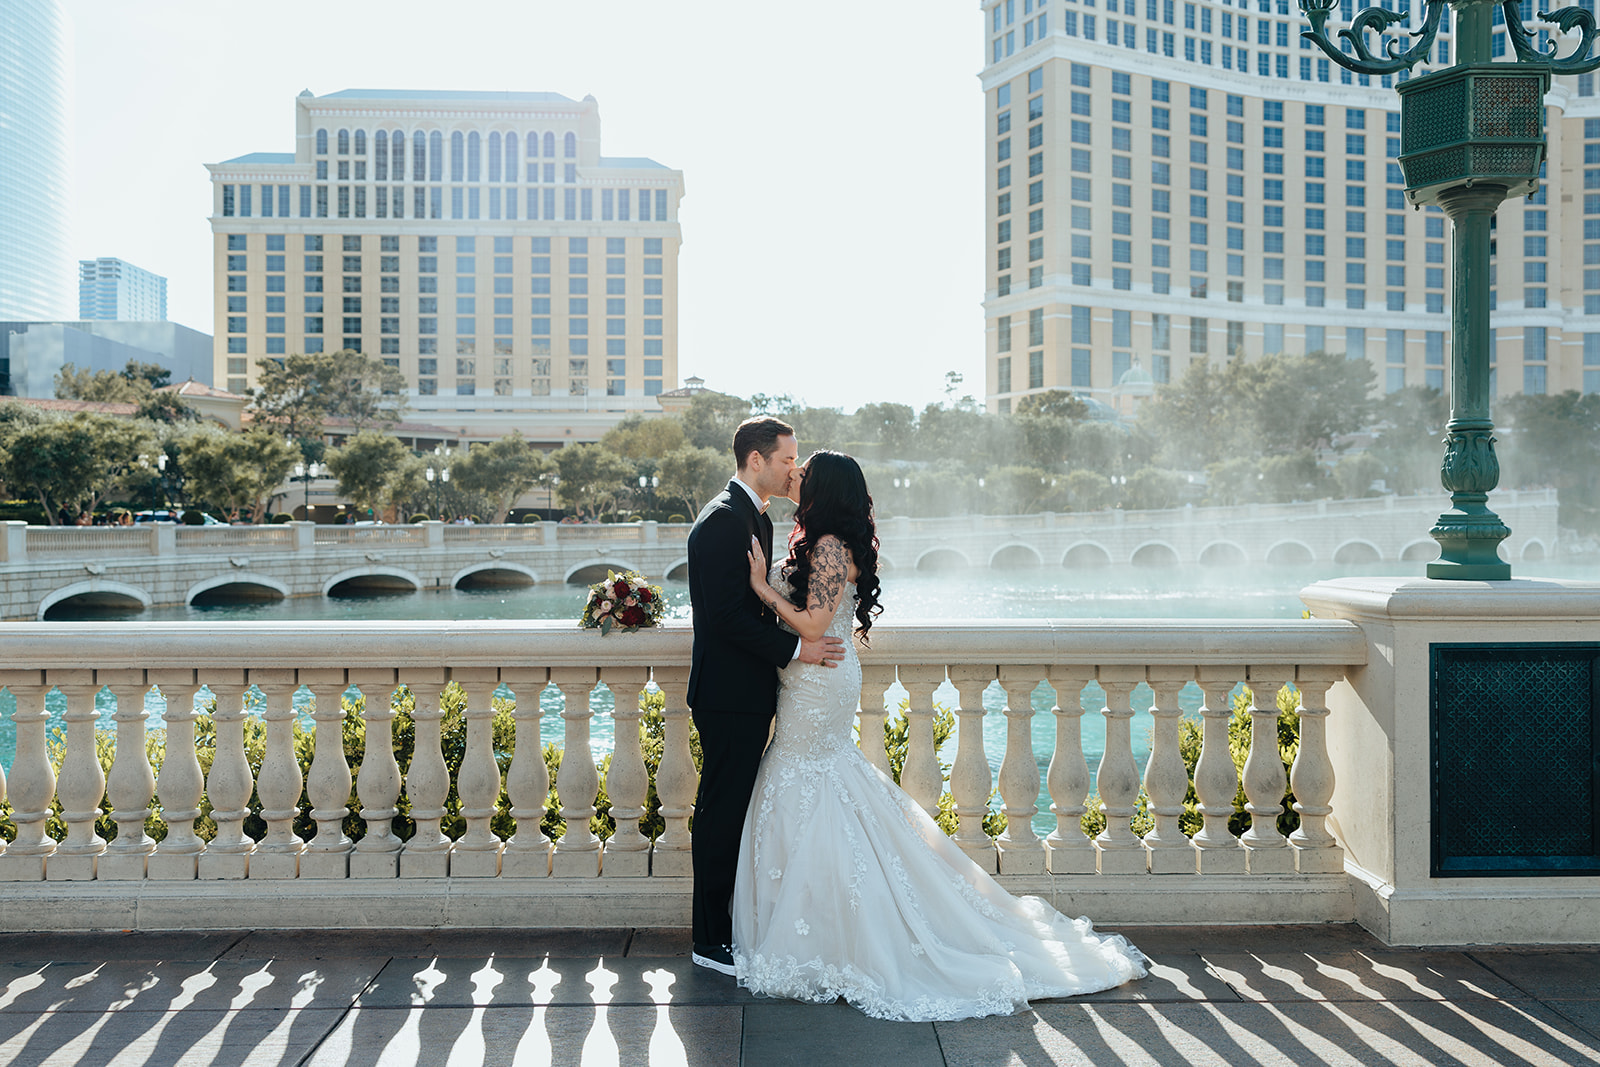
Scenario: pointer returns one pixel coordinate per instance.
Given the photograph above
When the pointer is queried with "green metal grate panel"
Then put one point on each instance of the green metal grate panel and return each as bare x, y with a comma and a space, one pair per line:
1516, 759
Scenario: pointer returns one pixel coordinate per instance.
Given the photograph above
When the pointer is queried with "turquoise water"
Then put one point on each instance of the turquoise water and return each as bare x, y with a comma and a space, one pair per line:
1257, 593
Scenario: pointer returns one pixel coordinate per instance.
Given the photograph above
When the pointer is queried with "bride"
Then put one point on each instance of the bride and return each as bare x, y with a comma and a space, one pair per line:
845, 887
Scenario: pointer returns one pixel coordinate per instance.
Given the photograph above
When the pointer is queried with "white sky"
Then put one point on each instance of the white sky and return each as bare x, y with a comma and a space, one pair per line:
833, 242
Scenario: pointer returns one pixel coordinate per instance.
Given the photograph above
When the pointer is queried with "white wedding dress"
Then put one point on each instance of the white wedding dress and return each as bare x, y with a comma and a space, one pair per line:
846, 888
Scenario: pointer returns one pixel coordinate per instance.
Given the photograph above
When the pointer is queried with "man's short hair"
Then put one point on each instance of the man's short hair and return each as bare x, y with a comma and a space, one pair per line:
759, 434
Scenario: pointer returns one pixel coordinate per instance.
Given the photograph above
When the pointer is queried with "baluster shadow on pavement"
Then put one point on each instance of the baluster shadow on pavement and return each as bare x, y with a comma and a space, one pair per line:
1215, 995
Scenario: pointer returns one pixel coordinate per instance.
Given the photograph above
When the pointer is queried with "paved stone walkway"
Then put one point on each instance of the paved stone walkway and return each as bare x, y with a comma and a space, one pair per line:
1217, 995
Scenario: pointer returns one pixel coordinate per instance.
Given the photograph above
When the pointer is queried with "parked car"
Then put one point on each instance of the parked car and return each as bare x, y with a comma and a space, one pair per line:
156, 516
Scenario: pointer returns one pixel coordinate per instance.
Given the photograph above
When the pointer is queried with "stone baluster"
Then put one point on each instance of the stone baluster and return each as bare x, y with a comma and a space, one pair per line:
677, 781
577, 782
627, 853
327, 855
875, 681
1067, 849
1021, 850
229, 784
1216, 779
1118, 850
1315, 850
280, 782
377, 854
131, 785
427, 854
477, 853
1167, 850
970, 784
33, 780
920, 776
180, 784
82, 784
1266, 851
527, 853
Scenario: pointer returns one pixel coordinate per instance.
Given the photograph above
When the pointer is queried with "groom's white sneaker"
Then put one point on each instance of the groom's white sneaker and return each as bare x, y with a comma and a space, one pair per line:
716, 957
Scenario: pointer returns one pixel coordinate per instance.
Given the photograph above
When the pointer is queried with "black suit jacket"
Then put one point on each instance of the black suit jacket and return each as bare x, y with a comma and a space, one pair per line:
738, 645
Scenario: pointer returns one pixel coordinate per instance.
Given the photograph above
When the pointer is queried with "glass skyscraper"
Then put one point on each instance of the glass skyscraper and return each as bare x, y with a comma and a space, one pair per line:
36, 271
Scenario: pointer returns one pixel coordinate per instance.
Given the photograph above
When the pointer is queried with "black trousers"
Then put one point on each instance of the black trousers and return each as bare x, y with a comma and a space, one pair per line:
731, 744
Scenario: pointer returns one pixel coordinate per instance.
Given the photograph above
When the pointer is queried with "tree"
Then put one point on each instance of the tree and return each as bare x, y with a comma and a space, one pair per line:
711, 418
74, 463
235, 472
693, 475
168, 407
591, 476
1410, 434
1056, 402
1088, 491
889, 426
1150, 488
131, 385
637, 437
1555, 440
294, 394
504, 470
366, 466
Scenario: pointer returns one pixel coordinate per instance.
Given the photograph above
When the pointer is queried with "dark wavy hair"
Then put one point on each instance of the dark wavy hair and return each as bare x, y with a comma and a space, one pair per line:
834, 500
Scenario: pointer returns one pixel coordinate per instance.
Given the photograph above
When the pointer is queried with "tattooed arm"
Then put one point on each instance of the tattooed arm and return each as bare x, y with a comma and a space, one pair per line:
831, 567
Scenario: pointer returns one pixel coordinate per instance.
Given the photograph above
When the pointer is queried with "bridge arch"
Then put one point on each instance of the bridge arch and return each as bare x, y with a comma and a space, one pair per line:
1422, 550
1154, 554
942, 559
1534, 550
1086, 554
245, 586
374, 579
594, 570
679, 570
1223, 554
884, 563
97, 593
1357, 550
1291, 551
496, 573
1014, 555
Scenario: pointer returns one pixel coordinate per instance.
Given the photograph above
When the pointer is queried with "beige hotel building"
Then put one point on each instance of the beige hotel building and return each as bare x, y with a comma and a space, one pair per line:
477, 241
1171, 181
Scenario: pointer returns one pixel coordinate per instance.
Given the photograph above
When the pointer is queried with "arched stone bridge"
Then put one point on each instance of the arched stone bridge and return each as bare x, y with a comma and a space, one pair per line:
132, 567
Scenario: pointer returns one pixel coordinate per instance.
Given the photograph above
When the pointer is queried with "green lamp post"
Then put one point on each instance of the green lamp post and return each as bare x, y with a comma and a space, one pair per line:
1471, 135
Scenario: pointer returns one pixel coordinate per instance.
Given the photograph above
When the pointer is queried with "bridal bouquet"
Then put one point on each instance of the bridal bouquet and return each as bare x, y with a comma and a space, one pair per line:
623, 601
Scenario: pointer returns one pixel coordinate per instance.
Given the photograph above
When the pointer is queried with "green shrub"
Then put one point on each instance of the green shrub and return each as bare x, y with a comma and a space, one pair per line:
282, 517
193, 517
675, 517
419, 517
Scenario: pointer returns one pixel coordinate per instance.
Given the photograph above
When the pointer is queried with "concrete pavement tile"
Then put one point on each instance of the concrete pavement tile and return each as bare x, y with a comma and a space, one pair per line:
121, 945
1546, 973
661, 941
201, 985
700, 1037
1412, 1034
501, 981
427, 944
1327, 937
778, 1033
1386, 975
1584, 1013
222, 1038
1172, 977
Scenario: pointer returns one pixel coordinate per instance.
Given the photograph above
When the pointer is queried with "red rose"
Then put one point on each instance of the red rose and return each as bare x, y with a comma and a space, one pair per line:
620, 588
633, 617
644, 595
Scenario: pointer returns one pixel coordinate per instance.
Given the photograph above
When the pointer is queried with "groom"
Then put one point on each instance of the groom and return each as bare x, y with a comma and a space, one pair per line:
733, 682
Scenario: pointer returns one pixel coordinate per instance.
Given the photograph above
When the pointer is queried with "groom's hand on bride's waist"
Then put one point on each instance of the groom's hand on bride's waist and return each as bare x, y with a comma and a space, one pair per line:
827, 651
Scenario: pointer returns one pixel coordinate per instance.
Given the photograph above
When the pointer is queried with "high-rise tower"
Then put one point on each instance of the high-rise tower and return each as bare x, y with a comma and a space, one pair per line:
36, 271
114, 289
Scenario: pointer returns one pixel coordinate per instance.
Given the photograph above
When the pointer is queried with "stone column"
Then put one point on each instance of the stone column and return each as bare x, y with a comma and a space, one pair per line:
377, 854
280, 782
875, 681
1266, 851
1117, 849
327, 855
131, 785
1021, 850
1165, 779
1216, 779
577, 782
180, 785
1067, 849
677, 781
920, 776
970, 784
477, 852
427, 853
230, 783
33, 780
527, 853
627, 853
82, 783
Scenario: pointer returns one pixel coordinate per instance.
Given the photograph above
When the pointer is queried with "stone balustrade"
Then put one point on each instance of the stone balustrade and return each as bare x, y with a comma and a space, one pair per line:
483, 878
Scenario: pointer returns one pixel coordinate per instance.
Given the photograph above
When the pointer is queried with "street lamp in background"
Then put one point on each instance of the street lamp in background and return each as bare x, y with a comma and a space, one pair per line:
160, 463
650, 482
443, 476
1471, 135
303, 473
